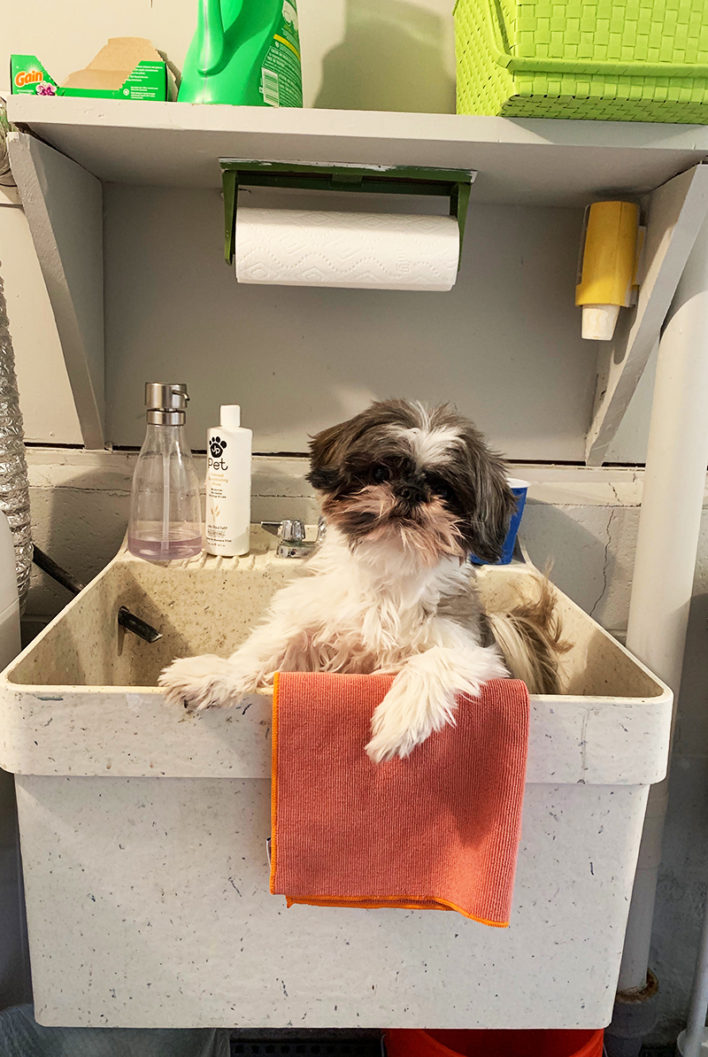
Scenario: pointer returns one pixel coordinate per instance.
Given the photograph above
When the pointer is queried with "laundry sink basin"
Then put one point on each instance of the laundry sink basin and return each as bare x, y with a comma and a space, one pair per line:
144, 830
96, 683
88, 686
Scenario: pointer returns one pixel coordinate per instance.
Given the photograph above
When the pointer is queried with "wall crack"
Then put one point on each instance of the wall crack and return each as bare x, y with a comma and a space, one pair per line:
605, 559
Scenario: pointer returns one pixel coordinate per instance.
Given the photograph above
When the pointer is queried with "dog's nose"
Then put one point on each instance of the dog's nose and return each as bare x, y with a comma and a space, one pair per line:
411, 492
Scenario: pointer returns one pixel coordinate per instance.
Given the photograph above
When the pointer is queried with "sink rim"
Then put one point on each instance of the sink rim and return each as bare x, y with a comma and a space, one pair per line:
267, 558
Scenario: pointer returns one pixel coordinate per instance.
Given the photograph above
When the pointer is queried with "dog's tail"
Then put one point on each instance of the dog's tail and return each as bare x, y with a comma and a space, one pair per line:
529, 636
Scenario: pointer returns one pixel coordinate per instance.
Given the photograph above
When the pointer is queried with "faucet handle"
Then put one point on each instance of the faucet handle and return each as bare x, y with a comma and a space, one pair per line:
292, 536
292, 531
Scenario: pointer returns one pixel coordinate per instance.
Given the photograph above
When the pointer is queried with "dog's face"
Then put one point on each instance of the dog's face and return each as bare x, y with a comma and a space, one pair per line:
422, 480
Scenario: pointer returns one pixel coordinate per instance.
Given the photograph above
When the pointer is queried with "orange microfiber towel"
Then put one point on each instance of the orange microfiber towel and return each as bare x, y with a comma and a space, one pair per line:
439, 829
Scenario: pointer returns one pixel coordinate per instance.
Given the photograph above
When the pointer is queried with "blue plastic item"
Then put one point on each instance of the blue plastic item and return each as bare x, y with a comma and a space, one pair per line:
519, 488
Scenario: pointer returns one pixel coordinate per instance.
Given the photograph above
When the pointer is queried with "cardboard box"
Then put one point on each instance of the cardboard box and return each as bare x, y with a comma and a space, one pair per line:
125, 68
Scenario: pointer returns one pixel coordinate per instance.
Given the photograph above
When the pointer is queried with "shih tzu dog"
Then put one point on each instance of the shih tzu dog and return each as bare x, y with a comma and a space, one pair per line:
407, 494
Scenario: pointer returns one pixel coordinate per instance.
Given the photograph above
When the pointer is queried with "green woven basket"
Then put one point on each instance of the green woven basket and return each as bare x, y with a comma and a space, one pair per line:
627, 60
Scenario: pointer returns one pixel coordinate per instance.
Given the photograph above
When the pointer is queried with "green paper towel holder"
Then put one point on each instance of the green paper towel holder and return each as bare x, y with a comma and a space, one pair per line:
454, 184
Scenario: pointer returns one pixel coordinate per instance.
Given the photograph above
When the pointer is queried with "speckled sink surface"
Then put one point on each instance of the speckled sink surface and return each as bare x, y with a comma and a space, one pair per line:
82, 699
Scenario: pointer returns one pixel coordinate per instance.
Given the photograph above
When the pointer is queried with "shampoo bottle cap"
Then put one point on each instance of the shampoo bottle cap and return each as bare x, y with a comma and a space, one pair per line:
230, 416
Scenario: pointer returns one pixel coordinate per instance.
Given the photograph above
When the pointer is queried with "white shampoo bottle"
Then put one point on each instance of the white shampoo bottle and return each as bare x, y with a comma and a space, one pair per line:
228, 485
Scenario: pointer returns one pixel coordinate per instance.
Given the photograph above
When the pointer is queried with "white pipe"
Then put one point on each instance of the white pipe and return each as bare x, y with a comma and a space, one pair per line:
698, 1008
664, 566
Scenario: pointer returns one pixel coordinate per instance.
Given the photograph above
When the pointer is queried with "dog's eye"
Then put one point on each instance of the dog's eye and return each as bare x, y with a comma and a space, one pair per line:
380, 473
441, 488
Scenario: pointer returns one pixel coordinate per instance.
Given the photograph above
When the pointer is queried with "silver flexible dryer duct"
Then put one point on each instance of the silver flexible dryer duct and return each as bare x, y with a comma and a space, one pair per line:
14, 486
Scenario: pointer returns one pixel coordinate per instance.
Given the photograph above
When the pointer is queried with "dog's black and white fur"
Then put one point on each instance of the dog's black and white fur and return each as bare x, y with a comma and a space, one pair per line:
407, 494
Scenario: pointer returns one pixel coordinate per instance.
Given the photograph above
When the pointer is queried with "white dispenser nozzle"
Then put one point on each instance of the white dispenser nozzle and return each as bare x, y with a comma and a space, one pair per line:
599, 321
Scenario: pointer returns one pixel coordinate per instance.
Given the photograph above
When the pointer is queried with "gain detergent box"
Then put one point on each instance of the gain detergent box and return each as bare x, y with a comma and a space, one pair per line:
126, 68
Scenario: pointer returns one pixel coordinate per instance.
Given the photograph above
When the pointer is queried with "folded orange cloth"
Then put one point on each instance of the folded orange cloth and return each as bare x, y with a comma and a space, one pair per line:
439, 829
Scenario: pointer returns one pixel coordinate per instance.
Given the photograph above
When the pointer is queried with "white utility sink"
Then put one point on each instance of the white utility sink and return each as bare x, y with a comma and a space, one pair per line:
144, 832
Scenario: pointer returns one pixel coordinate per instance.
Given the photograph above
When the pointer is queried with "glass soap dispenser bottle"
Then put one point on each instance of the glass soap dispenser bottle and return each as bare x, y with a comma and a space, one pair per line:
165, 508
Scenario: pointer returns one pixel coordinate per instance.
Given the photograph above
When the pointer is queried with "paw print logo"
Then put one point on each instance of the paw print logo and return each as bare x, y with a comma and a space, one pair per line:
216, 447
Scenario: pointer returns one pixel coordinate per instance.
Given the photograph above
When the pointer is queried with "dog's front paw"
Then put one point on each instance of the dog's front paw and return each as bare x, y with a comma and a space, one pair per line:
386, 744
412, 709
202, 682
395, 727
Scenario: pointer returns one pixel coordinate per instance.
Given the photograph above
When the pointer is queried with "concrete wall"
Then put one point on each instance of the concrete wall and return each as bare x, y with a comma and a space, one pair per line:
298, 359
583, 520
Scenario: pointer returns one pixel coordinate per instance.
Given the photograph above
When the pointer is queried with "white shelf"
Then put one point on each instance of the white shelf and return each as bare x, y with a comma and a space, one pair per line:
562, 163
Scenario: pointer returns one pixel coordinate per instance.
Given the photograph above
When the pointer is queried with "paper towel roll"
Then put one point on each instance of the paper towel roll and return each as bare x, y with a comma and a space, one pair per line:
374, 251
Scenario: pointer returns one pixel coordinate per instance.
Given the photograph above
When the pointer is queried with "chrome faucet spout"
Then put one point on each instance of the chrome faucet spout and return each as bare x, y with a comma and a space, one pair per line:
293, 537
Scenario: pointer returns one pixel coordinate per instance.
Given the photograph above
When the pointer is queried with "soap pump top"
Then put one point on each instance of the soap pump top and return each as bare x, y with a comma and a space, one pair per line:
166, 404
165, 512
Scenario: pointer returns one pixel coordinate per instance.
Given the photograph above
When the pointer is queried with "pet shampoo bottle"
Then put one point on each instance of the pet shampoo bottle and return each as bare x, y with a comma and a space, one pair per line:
228, 485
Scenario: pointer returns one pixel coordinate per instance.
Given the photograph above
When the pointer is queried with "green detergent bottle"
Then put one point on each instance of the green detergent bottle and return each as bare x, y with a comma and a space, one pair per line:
244, 52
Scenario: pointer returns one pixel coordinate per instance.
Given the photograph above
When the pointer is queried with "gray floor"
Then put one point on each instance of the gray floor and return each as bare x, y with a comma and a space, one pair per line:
306, 1044
294, 1043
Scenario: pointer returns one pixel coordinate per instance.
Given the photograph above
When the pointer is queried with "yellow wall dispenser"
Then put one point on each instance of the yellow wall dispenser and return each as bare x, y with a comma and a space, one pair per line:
609, 265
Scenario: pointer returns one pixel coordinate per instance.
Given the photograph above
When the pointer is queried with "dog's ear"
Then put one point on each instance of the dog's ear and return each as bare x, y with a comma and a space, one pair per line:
493, 502
327, 450
491, 529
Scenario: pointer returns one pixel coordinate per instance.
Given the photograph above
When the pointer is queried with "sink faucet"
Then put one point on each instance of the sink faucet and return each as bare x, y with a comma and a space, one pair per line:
137, 625
291, 533
126, 619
